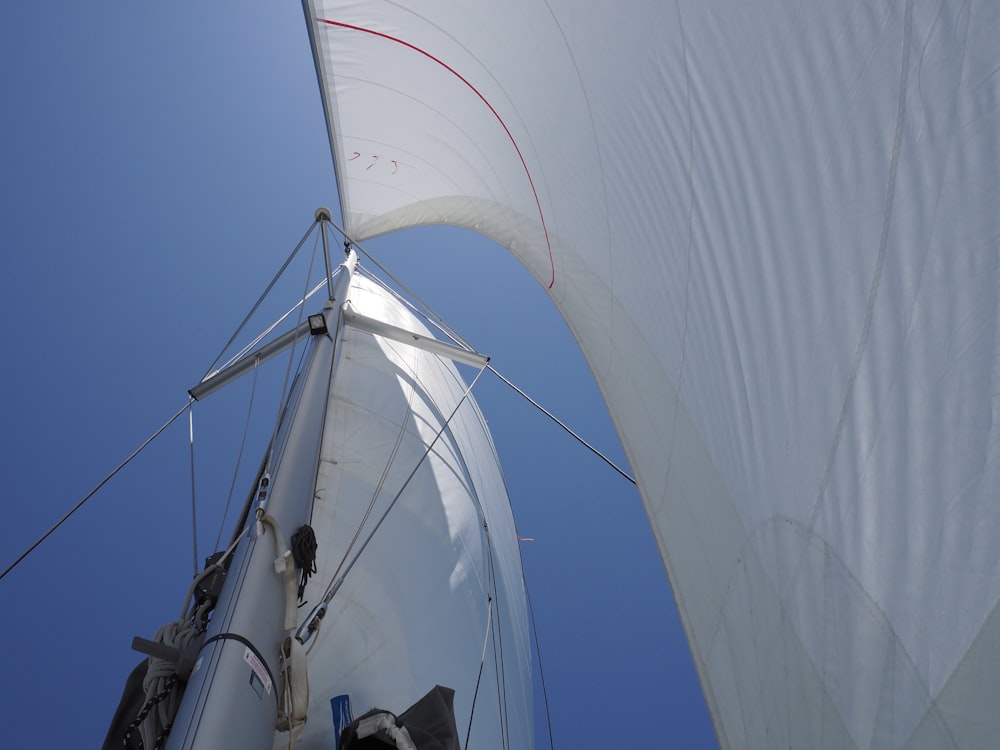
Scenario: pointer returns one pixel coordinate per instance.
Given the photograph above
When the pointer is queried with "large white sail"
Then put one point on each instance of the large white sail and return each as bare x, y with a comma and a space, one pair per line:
774, 232
436, 595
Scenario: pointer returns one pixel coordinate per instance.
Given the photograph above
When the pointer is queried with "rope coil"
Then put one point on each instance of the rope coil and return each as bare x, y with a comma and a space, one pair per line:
304, 548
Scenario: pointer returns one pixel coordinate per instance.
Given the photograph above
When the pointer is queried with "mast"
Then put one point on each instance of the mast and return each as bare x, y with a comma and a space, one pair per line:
232, 697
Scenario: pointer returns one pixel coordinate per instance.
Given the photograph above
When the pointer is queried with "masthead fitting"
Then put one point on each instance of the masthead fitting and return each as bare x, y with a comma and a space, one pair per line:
322, 214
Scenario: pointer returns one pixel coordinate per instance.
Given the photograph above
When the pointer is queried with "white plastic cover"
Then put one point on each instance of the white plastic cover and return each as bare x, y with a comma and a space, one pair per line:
774, 230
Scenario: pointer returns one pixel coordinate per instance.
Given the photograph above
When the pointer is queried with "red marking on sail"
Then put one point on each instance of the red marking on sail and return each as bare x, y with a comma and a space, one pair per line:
482, 98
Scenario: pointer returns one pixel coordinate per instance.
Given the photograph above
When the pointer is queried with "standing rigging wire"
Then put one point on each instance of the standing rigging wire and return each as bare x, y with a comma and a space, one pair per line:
300, 306
291, 354
538, 650
562, 424
186, 407
263, 294
426, 314
246, 429
94, 491
438, 322
239, 458
264, 334
482, 661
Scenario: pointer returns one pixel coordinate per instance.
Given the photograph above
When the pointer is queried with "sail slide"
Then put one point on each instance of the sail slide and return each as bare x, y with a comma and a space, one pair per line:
774, 231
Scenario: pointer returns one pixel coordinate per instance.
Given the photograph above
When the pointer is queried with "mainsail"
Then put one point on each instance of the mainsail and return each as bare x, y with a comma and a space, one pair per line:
774, 233
383, 467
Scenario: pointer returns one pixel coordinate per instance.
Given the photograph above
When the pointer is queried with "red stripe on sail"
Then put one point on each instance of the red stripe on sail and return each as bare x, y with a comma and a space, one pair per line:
482, 98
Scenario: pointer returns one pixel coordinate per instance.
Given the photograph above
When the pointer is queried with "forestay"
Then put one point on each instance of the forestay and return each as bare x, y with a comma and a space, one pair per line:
773, 230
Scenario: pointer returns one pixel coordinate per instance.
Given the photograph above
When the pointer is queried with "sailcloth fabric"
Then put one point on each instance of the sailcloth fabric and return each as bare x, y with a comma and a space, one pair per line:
438, 570
774, 231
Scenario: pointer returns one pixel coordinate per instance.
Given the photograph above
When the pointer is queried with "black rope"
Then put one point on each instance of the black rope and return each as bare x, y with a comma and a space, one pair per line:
149, 706
161, 738
304, 548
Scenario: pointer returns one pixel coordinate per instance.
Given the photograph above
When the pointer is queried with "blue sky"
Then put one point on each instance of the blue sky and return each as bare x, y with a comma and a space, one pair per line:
155, 169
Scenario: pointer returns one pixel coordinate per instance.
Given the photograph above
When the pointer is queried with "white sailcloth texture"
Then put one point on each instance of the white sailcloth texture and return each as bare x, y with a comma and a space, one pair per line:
774, 230
433, 595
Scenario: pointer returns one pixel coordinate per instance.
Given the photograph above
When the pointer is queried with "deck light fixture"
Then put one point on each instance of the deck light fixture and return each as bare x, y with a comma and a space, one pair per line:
317, 324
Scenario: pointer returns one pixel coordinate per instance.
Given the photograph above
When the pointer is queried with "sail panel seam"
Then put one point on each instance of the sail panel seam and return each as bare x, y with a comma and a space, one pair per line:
879, 264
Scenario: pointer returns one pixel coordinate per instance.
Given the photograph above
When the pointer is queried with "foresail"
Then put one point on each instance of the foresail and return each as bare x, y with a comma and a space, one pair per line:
436, 595
774, 232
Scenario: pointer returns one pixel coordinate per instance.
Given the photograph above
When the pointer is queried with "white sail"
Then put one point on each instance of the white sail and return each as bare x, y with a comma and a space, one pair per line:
774, 233
433, 595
